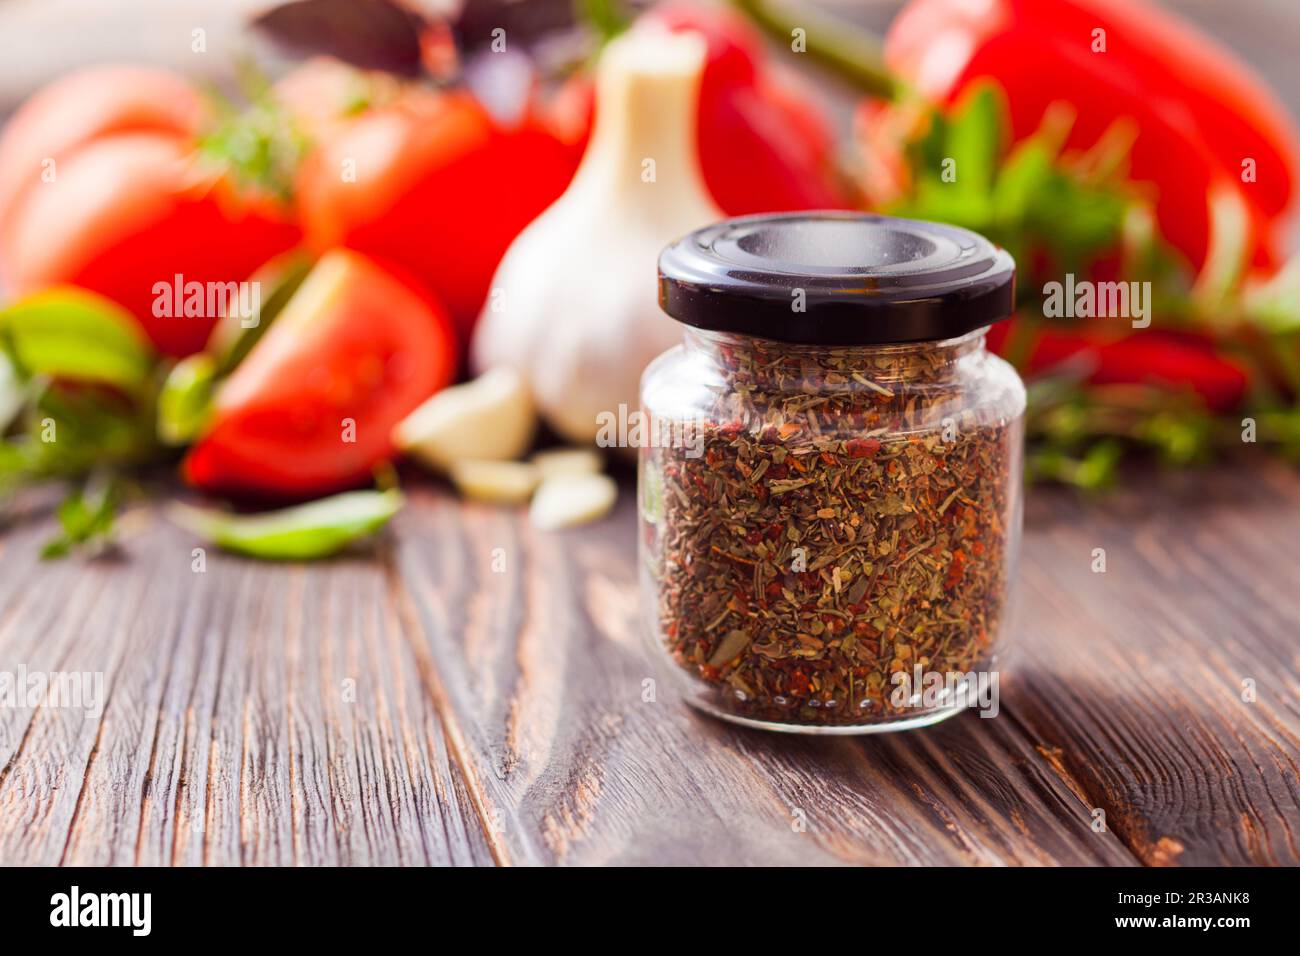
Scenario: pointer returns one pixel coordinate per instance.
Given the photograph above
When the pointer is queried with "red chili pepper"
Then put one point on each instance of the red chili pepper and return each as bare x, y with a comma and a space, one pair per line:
1200, 112
1170, 359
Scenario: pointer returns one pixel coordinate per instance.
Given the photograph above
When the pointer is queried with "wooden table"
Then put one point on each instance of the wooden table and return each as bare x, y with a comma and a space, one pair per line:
409, 704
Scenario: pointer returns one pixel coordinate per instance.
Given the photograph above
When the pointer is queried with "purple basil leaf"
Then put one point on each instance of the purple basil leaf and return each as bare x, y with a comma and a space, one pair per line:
372, 34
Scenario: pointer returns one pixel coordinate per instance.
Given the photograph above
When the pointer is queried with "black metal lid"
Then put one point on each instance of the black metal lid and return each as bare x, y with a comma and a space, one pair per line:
865, 280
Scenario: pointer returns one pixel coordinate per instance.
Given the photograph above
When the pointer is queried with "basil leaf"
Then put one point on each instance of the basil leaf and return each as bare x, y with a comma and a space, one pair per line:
1025, 175
73, 334
86, 517
70, 430
975, 140
314, 530
185, 401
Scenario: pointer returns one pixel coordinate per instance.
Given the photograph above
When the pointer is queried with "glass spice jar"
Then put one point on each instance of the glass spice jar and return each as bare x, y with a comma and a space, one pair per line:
830, 471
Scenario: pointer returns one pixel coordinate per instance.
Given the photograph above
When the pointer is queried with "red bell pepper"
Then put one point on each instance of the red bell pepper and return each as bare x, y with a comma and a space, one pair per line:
1170, 360
1200, 113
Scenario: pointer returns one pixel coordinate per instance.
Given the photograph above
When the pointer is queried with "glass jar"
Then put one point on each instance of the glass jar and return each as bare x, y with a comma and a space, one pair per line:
830, 475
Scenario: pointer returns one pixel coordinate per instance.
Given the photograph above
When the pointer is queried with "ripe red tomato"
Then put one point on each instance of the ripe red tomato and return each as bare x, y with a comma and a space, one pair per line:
323, 95
312, 408
130, 211
125, 204
432, 182
84, 105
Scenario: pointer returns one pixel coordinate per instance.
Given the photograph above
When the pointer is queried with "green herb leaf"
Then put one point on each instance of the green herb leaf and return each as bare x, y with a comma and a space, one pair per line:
303, 532
68, 333
86, 518
975, 140
260, 145
1032, 199
72, 429
1093, 471
607, 17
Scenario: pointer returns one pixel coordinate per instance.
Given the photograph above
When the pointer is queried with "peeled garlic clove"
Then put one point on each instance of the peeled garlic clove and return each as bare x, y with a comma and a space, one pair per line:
569, 500
490, 418
495, 482
557, 462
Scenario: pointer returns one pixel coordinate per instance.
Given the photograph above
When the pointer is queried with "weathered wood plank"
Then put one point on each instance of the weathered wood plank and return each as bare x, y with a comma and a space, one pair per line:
1133, 678
498, 714
257, 714
541, 664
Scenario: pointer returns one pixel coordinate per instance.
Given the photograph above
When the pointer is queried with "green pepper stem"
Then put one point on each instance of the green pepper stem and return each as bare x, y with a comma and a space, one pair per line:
854, 54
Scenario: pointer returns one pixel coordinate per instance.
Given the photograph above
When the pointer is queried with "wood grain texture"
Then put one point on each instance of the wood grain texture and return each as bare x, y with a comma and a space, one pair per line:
498, 716
1134, 680
470, 691
256, 714
542, 665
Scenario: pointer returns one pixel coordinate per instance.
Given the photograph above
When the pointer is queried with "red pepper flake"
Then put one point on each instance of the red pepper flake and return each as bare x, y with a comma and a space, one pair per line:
956, 569
730, 429
862, 447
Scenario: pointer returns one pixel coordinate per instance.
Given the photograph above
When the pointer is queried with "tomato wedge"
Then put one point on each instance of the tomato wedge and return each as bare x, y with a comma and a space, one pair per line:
312, 408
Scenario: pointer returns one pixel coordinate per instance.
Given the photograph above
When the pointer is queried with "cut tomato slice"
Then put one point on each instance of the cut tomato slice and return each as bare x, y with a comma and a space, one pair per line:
313, 406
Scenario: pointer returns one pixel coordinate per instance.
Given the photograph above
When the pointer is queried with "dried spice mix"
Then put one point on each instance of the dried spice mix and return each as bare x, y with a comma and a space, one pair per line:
831, 505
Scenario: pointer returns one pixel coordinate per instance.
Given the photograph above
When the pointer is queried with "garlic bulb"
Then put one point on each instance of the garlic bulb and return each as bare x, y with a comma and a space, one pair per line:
574, 302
